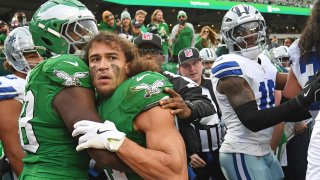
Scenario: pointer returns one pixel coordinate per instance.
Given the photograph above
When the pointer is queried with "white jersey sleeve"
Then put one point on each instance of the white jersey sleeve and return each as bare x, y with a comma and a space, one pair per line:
12, 87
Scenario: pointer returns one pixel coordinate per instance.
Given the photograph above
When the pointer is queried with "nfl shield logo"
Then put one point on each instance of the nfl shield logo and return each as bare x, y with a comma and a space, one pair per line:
188, 52
147, 36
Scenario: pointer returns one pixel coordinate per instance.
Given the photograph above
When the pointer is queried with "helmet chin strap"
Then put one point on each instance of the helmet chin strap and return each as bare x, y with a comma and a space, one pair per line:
251, 53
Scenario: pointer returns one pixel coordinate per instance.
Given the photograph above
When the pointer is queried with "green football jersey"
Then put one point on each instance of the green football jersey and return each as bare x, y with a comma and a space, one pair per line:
50, 148
132, 97
1, 151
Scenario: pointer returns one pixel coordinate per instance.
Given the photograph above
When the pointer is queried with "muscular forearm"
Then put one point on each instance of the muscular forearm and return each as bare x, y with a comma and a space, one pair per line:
151, 164
110, 159
15, 159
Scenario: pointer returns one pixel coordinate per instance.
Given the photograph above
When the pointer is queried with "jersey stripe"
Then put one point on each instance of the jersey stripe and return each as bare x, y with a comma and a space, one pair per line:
226, 69
7, 92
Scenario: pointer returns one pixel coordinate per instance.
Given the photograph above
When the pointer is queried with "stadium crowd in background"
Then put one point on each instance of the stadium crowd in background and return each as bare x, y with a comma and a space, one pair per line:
296, 3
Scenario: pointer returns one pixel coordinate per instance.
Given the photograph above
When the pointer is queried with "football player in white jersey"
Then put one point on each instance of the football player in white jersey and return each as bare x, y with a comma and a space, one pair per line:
304, 54
22, 56
244, 85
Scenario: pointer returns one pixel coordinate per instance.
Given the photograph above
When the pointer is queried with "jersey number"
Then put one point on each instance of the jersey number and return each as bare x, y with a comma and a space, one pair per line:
113, 174
267, 91
27, 138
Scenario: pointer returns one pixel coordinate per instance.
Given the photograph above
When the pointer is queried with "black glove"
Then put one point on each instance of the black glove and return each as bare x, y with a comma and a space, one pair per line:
310, 93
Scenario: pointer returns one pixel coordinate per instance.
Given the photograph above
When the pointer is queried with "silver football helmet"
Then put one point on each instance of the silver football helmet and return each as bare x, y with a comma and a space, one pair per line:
243, 30
17, 44
207, 55
279, 55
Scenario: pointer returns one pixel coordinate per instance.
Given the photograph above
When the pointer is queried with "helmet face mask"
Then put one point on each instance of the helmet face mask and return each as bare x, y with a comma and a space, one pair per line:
243, 30
78, 33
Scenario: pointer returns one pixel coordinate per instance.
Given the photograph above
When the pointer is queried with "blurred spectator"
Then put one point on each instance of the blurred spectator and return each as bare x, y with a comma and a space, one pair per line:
125, 29
18, 20
274, 43
288, 41
206, 39
138, 22
109, 22
162, 29
4, 31
296, 3
182, 35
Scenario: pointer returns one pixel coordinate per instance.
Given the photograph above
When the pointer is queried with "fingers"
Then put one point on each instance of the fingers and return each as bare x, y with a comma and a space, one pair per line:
176, 111
79, 130
171, 104
82, 146
197, 162
171, 92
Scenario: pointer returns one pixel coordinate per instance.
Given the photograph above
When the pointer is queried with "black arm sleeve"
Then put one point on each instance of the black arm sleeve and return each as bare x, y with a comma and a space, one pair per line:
257, 120
189, 91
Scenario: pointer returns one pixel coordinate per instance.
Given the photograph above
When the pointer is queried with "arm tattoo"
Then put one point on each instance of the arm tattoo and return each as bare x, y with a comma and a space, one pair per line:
237, 90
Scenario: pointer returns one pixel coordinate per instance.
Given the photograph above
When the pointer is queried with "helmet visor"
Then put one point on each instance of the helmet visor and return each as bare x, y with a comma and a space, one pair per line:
248, 34
80, 31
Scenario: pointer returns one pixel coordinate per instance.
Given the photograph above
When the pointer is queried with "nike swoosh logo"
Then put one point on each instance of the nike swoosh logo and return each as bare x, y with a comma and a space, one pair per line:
100, 132
306, 94
72, 63
141, 77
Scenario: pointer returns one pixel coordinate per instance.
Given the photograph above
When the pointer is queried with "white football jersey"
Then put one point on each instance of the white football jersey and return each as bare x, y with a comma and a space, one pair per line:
304, 70
261, 78
12, 87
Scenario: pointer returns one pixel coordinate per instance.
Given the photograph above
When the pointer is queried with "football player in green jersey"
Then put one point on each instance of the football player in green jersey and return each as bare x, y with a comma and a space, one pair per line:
151, 146
58, 94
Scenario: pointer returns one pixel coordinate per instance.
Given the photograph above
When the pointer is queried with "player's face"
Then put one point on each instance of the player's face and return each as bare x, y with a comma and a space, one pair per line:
192, 69
33, 58
108, 67
246, 35
208, 65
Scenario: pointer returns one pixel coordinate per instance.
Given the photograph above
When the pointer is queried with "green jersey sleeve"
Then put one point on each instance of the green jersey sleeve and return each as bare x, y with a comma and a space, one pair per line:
67, 70
145, 90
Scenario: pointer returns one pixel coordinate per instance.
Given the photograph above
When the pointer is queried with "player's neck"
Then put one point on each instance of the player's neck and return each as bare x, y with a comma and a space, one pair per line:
20, 74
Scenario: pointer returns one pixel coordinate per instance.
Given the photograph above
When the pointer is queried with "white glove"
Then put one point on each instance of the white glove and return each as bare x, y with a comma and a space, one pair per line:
98, 135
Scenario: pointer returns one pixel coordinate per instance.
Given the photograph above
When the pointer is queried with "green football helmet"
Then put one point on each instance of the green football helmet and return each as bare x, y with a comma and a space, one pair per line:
63, 26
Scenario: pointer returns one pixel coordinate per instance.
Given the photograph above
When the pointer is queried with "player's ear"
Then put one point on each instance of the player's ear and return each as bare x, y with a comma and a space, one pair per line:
127, 67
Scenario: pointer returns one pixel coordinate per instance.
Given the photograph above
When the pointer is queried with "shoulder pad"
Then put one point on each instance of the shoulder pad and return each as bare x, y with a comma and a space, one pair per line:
67, 70
223, 69
147, 88
7, 91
